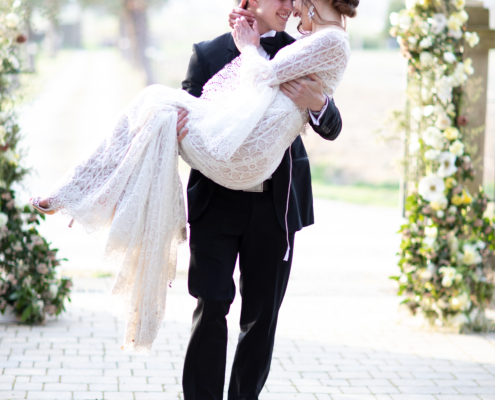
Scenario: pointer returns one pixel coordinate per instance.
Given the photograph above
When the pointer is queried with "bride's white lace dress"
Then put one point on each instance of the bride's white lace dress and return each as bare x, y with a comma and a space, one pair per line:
238, 132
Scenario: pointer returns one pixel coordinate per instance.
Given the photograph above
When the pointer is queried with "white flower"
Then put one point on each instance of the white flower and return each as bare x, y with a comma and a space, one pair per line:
431, 231
457, 148
459, 4
429, 110
472, 38
444, 89
426, 58
429, 241
459, 77
440, 214
443, 121
42, 269
426, 42
447, 164
412, 40
452, 210
425, 275
432, 268
453, 244
3, 219
439, 203
3, 132
424, 26
449, 57
455, 34
449, 274
438, 23
470, 255
53, 290
454, 23
403, 278
462, 16
432, 154
431, 186
480, 245
10, 156
447, 281
37, 240
450, 110
394, 18
405, 21
14, 62
414, 146
468, 66
451, 133
433, 137
12, 20
464, 301
417, 113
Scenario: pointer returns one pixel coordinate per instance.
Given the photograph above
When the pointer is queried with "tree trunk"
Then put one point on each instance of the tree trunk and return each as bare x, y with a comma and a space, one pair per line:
137, 22
53, 34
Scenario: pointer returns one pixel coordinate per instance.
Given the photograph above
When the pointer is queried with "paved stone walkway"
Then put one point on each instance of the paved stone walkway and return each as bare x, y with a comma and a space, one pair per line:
340, 333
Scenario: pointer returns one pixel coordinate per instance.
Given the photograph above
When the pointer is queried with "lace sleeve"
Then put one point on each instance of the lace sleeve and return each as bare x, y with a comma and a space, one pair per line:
327, 49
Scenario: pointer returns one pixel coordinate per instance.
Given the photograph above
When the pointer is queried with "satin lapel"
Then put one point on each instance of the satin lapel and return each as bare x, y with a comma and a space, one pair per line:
232, 51
279, 44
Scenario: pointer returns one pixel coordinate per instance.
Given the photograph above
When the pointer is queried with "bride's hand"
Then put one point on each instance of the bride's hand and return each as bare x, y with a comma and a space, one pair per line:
244, 35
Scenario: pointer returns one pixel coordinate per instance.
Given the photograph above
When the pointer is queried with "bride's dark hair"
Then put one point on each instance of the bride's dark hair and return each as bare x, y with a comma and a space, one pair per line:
346, 7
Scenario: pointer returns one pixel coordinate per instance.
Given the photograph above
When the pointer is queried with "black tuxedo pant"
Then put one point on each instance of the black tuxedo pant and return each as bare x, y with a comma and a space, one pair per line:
245, 224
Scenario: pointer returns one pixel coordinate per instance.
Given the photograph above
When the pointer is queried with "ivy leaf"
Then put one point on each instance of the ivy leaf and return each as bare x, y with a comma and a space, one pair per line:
26, 313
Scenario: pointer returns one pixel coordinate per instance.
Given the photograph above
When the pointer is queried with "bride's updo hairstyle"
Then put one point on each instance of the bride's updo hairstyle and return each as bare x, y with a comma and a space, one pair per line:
345, 7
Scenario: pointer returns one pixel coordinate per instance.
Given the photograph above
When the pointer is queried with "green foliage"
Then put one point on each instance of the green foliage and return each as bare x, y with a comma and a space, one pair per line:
28, 279
444, 262
447, 239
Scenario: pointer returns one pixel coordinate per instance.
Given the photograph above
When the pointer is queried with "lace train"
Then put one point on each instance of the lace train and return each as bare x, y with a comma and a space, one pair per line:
131, 183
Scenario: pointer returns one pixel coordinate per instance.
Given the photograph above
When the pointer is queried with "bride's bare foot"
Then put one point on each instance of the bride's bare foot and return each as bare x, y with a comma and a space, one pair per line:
42, 205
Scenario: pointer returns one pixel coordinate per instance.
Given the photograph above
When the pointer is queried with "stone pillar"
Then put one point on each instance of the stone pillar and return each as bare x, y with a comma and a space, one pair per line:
479, 22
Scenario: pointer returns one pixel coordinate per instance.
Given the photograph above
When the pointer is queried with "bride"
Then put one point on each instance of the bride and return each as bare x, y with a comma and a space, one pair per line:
238, 131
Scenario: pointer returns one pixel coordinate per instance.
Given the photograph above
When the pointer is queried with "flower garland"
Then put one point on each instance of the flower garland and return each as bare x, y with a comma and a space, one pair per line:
28, 279
448, 238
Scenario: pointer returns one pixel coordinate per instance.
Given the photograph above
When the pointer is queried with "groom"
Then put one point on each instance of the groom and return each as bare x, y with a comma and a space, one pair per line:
248, 225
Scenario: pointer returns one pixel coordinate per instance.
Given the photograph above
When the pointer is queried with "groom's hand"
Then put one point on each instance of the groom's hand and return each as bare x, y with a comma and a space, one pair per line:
239, 12
306, 92
181, 123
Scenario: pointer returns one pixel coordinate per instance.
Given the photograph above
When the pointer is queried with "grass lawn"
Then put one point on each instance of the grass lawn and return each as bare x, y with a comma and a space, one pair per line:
385, 196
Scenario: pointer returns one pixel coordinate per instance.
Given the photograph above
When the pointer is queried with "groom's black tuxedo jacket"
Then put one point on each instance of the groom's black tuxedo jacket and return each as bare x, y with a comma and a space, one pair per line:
210, 57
